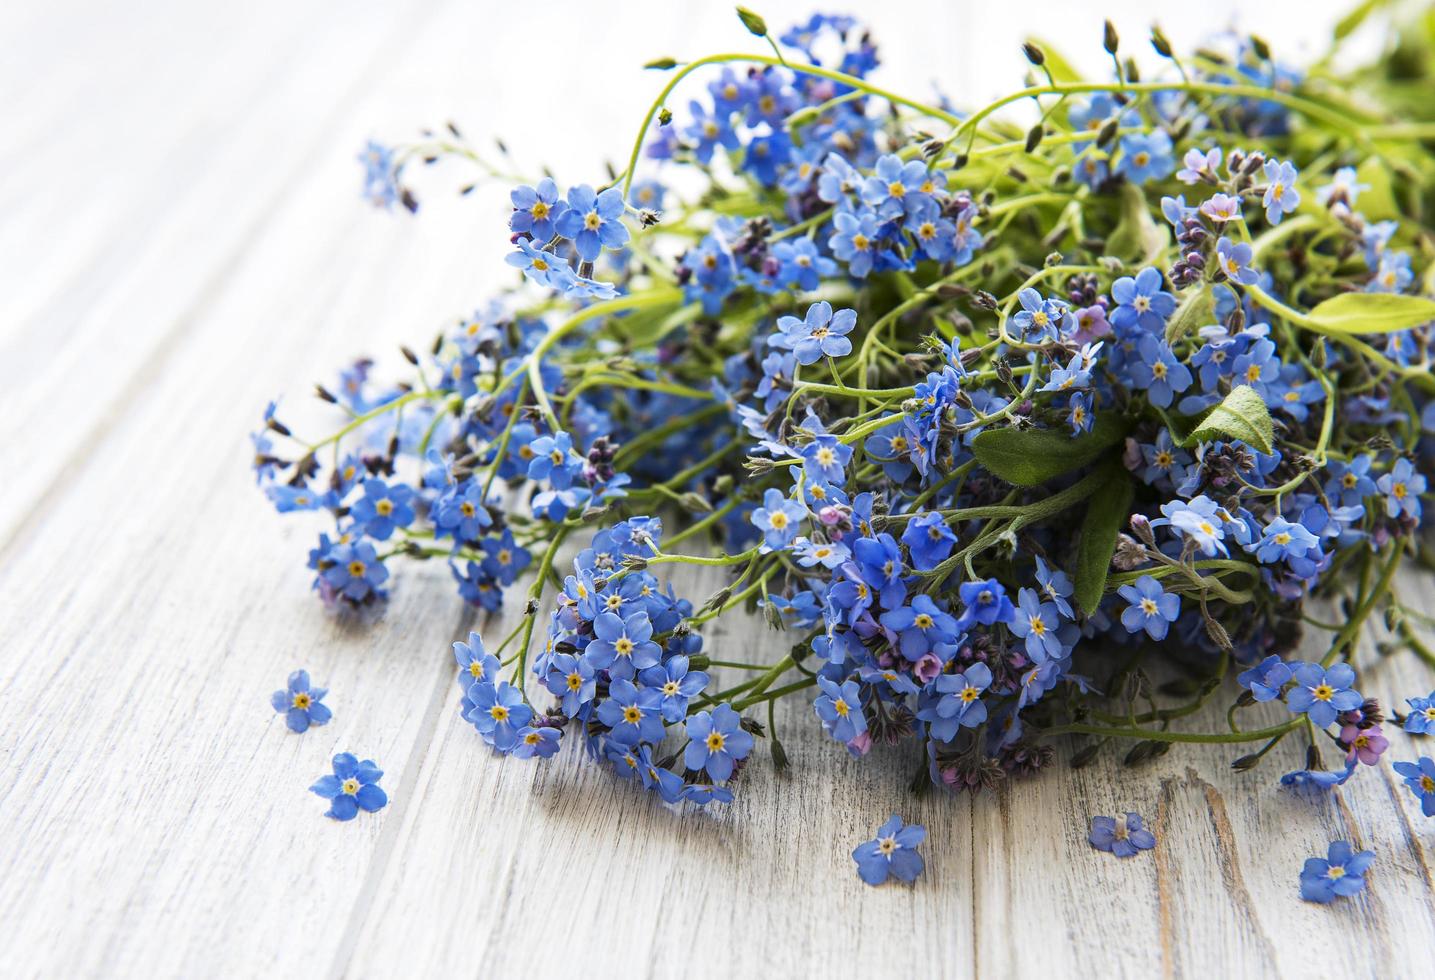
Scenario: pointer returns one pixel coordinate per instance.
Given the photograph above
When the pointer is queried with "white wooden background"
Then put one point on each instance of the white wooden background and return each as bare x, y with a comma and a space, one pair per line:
180, 239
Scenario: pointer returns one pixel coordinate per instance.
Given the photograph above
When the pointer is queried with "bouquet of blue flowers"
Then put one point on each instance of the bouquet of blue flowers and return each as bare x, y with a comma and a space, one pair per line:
1021, 430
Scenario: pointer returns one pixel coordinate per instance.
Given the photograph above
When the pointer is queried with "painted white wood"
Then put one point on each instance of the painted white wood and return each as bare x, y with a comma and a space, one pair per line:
183, 241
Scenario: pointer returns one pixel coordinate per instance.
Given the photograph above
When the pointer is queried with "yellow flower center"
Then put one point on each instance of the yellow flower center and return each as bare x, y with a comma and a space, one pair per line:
591, 221
351, 786
923, 621
1322, 692
632, 714
384, 508
1148, 606
357, 569
778, 520
302, 700
715, 741
624, 646
860, 242
575, 681
841, 707
540, 210
970, 694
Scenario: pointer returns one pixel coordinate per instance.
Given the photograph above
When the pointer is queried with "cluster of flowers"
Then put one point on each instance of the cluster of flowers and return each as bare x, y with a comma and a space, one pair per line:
993, 443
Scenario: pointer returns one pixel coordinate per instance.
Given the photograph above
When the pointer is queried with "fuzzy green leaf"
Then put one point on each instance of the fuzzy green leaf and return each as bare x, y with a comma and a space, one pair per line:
1060, 68
1137, 235
1241, 415
1361, 313
1106, 514
1030, 457
1197, 310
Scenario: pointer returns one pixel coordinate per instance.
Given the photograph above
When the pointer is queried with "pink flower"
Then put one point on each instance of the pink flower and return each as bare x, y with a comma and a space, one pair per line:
1367, 745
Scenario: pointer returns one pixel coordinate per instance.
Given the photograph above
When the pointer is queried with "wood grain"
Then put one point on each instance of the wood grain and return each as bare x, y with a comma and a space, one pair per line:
182, 242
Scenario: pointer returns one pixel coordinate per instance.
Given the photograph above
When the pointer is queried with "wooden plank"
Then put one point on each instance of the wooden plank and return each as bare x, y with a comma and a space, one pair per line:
154, 810
560, 865
113, 266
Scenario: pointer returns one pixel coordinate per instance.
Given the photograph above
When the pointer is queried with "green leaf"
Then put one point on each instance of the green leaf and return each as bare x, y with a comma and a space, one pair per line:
1060, 68
646, 327
1377, 201
1030, 457
1358, 313
1106, 514
1137, 235
1197, 310
1241, 415
1348, 24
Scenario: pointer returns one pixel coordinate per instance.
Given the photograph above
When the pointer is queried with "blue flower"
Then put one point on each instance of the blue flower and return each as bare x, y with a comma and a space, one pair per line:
675, 685
1079, 415
839, 706
1145, 156
498, 712
540, 267
1266, 679
921, 628
1350, 483
706, 132
299, 703
383, 508
1141, 301
288, 499
1152, 608
1122, 836
536, 209
893, 853
1402, 487
1198, 165
1341, 872
1420, 777
1321, 694
354, 571
800, 265
504, 558
554, 460
880, 561
622, 646
1318, 779
1056, 586
593, 221
985, 603
352, 787
854, 241
765, 154
542, 741
716, 741
779, 519
1235, 261
823, 460
1282, 540
1421, 720
634, 714
1196, 518
929, 539
461, 512
893, 187
1038, 622
572, 679
1165, 459
953, 701
475, 664
1041, 319
820, 333
1281, 197
1159, 372
824, 553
